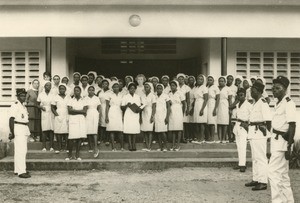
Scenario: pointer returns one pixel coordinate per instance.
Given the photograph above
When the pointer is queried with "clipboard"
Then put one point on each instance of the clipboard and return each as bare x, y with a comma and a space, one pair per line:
135, 108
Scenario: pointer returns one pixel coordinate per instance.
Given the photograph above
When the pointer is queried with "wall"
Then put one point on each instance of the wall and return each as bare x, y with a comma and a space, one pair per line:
156, 20
59, 64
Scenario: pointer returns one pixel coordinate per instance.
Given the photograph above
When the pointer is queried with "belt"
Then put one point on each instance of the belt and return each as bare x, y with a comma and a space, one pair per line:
283, 134
241, 121
16, 122
257, 123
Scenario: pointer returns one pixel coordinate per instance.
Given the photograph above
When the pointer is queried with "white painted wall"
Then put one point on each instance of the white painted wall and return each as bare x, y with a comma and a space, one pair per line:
59, 64
156, 21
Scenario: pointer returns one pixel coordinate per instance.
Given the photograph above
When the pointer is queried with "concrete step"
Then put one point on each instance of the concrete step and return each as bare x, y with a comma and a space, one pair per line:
119, 164
186, 153
103, 147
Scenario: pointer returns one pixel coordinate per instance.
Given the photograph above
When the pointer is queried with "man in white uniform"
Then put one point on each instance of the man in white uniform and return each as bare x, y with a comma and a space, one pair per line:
259, 127
243, 110
284, 125
18, 124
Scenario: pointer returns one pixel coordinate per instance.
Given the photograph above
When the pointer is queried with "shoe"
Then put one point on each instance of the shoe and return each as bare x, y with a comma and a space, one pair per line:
44, 149
98, 142
218, 141
158, 150
24, 175
236, 168
122, 149
177, 149
260, 186
90, 151
242, 169
67, 151
78, 159
194, 142
184, 141
96, 154
85, 143
251, 184
134, 149
68, 159
145, 149
153, 142
51, 149
165, 150
114, 150
56, 151
106, 143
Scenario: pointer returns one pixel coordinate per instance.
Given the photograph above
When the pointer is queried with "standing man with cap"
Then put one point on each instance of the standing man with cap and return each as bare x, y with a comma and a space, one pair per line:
284, 125
259, 127
18, 124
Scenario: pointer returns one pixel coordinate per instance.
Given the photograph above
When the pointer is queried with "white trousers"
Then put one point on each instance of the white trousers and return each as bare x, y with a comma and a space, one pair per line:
20, 148
259, 160
281, 190
241, 143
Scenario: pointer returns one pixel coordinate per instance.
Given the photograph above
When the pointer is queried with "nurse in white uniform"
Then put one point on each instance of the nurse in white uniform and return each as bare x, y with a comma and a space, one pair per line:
223, 109
149, 103
59, 107
177, 101
77, 109
140, 79
212, 106
185, 90
44, 102
165, 81
161, 117
191, 125
200, 109
131, 104
103, 94
65, 80
114, 115
92, 120
84, 85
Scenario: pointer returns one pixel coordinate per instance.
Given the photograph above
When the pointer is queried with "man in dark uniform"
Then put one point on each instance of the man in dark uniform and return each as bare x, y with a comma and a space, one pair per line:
18, 124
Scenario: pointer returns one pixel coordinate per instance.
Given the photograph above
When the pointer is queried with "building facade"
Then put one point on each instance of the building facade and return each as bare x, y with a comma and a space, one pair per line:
120, 37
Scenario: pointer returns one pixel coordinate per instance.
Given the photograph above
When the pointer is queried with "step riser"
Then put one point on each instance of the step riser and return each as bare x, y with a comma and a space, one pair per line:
103, 147
119, 166
139, 155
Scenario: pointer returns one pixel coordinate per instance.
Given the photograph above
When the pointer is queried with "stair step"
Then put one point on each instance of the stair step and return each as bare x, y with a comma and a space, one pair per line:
188, 153
119, 164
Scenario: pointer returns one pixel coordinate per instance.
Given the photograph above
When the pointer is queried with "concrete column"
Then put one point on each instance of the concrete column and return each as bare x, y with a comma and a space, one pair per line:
48, 54
224, 56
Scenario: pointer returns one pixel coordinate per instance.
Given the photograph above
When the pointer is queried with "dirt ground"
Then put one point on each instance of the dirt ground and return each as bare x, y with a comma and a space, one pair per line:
173, 185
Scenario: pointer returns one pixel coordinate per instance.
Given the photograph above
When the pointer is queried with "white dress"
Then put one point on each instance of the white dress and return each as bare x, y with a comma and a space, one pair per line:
147, 101
115, 114
103, 97
161, 113
131, 119
140, 90
184, 89
61, 121
192, 98
77, 123
234, 90
176, 115
84, 91
167, 90
92, 116
199, 99
223, 108
54, 90
213, 91
47, 115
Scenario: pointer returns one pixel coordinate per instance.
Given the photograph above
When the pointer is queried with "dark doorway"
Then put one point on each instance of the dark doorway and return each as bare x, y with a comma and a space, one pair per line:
122, 67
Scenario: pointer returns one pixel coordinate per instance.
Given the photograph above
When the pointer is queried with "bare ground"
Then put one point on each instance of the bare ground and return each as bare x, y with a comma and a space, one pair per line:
173, 185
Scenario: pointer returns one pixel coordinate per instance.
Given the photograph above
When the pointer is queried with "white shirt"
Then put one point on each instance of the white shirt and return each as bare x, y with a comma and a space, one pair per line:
19, 112
243, 112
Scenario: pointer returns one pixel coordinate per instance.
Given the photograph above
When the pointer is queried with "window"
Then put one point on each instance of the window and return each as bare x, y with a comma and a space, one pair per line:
18, 69
270, 65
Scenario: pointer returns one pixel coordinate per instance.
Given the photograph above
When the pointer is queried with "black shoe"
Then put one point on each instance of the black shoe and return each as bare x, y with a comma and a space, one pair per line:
251, 184
260, 186
15, 174
134, 149
242, 169
24, 175
184, 141
236, 168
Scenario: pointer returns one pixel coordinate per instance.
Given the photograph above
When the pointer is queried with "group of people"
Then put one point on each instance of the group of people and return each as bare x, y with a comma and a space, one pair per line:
185, 107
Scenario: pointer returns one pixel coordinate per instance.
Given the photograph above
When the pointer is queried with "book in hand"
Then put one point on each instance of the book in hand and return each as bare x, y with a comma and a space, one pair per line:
135, 108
